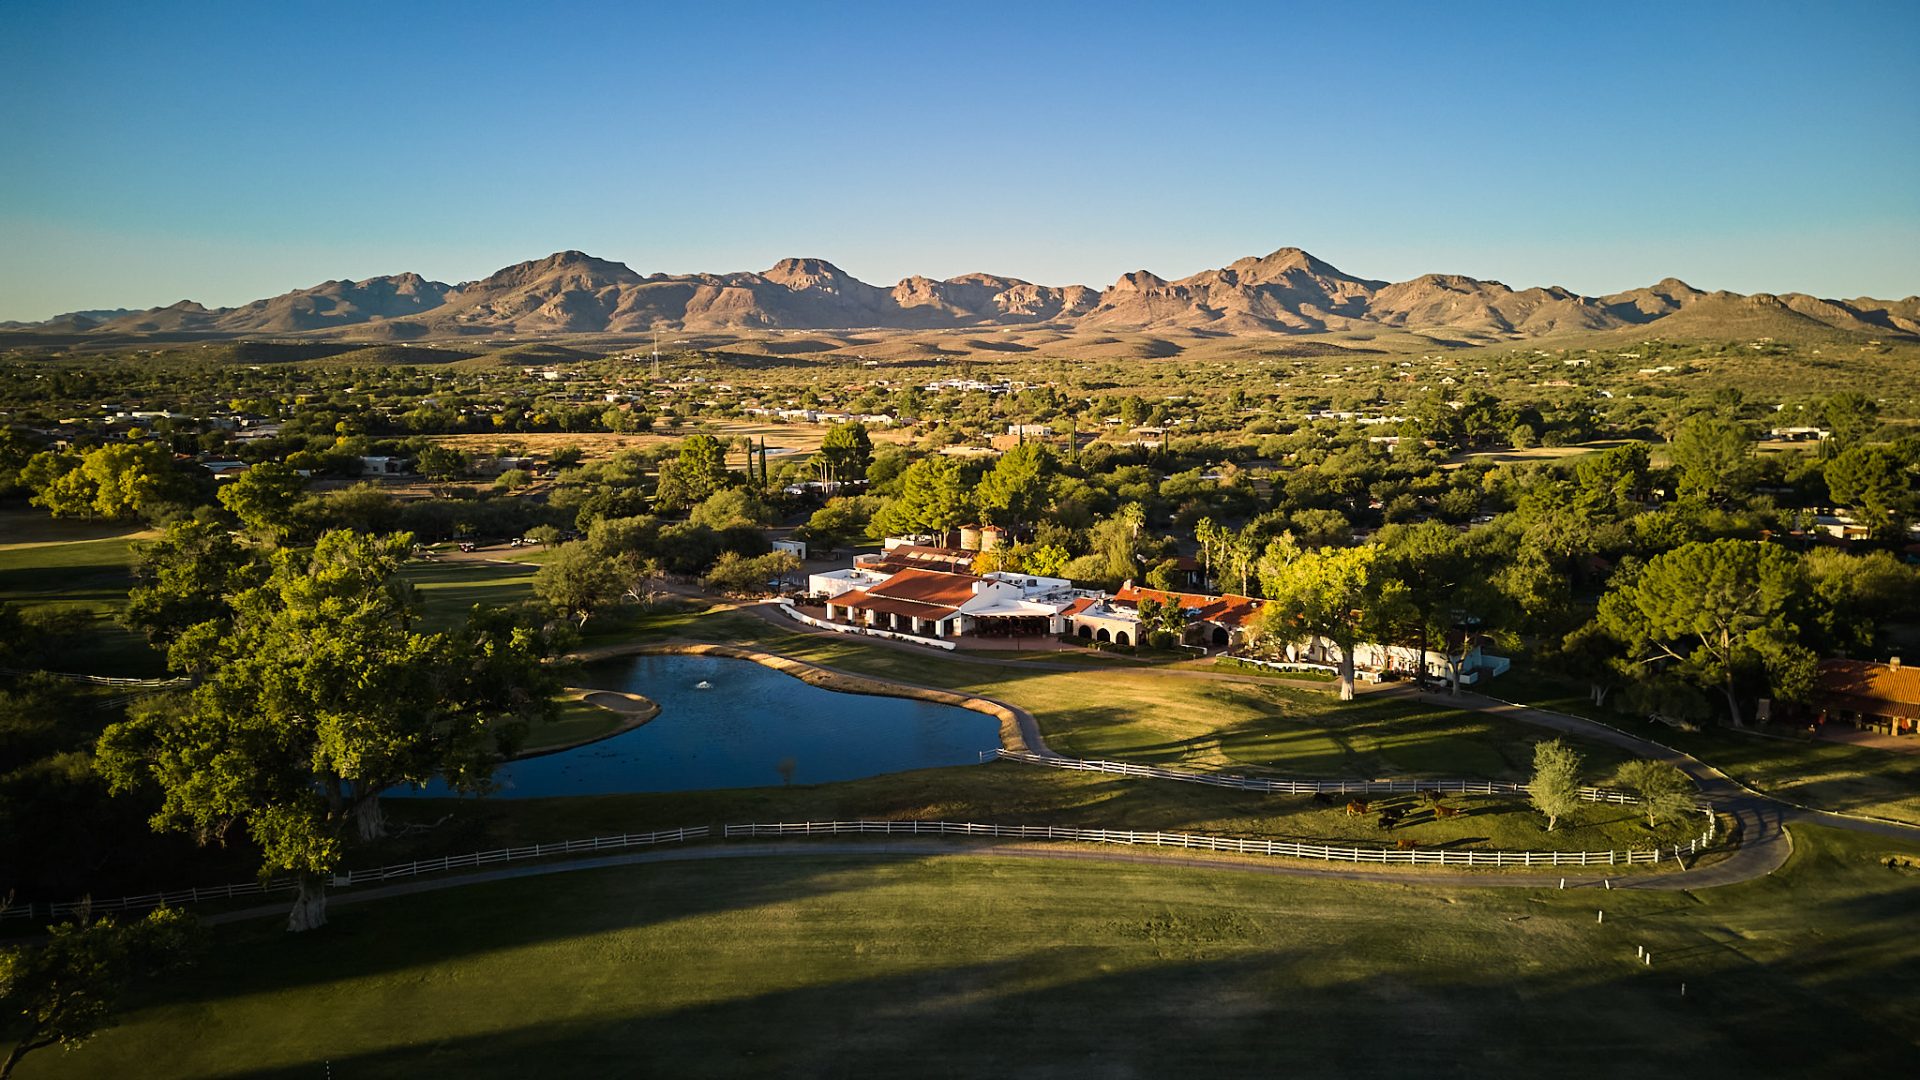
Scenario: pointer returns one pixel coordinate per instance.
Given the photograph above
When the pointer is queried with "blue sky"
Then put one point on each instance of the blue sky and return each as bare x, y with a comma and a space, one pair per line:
225, 152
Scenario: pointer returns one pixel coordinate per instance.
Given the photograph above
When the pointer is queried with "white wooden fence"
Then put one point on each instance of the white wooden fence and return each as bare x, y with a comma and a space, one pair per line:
799, 616
1286, 848
365, 877
1302, 787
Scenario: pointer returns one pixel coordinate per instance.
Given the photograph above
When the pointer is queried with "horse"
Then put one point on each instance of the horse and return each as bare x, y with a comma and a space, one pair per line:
1406, 843
1390, 818
1446, 811
1356, 807
1323, 798
1432, 795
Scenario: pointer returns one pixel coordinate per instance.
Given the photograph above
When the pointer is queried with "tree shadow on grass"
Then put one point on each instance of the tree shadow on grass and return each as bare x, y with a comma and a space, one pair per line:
1092, 1009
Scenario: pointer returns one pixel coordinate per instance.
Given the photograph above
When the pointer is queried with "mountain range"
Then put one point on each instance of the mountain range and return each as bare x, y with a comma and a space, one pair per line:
1287, 292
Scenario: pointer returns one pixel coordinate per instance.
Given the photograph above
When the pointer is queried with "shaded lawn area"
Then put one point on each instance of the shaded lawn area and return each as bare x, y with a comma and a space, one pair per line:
980, 965
89, 577
1015, 793
1824, 775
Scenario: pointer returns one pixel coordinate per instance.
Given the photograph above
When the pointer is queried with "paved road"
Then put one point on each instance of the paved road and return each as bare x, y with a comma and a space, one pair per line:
1764, 843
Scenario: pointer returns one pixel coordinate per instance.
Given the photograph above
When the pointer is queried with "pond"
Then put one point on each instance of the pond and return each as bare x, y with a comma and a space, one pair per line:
728, 723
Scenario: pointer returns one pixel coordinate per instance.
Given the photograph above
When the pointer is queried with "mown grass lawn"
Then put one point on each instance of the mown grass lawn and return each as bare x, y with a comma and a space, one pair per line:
89, 576
826, 965
1013, 793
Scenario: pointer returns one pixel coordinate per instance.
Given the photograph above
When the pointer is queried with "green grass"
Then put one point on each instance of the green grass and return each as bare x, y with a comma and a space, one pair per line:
1823, 775
449, 590
90, 577
577, 722
970, 966
1014, 794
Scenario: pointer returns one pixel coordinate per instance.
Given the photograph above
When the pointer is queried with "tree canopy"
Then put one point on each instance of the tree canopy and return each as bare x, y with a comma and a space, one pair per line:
1715, 613
317, 696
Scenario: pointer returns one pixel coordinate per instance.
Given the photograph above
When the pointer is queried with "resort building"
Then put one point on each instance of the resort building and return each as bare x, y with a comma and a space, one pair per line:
943, 605
1870, 696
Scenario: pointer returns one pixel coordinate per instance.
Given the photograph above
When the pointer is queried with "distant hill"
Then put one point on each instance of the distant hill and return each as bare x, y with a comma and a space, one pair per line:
1286, 292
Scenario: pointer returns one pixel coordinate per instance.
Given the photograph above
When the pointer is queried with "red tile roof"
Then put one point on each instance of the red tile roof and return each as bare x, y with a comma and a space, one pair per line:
1865, 687
928, 587
1229, 610
889, 606
928, 594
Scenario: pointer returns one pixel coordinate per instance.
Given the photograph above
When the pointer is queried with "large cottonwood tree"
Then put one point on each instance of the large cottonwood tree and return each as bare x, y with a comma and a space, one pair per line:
318, 695
1340, 594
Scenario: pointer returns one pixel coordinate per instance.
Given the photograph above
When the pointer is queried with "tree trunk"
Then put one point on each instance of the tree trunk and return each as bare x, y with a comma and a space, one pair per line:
20, 1050
1733, 706
309, 904
1346, 674
369, 819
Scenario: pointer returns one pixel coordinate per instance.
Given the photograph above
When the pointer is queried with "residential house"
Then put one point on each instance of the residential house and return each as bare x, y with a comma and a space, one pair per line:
1871, 696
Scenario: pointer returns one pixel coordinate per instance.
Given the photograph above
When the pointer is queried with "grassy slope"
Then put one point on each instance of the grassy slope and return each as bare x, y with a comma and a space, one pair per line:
997, 966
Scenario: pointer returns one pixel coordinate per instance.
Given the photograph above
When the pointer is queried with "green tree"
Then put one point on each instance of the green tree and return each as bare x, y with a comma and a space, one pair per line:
1555, 787
1014, 491
59, 992
578, 580
187, 577
846, 452
1850, 417
731, 508
1854, 595
697, 471
15, 452
1714, 457
317, 698
115, 481
1116, 543
1715, 613
440, 464
1339, 594
264, 498
932, 499
1045, 560
1607, 482
1440, 582
839, 521
1874, 482
1665, 792
739, 575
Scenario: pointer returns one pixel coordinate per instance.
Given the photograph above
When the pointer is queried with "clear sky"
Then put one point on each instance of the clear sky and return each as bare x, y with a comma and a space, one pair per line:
222, 152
